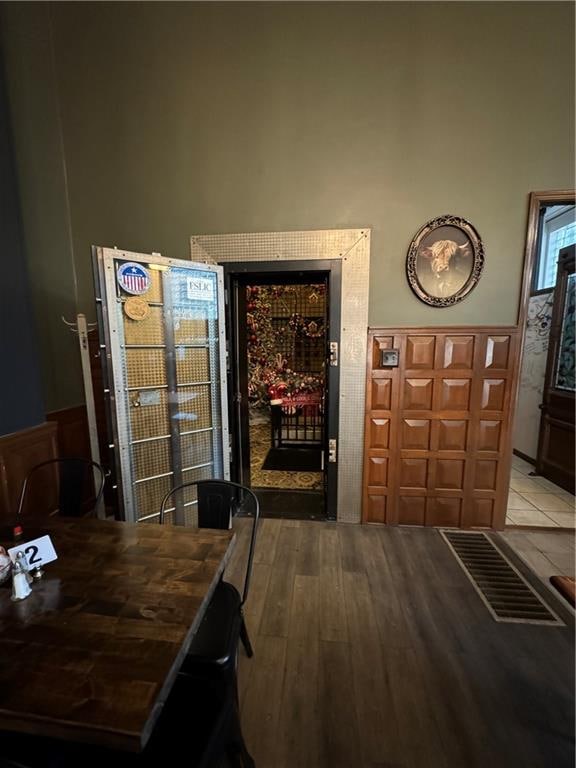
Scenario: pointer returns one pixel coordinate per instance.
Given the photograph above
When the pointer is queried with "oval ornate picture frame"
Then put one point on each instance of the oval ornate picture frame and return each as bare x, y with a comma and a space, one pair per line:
445, 261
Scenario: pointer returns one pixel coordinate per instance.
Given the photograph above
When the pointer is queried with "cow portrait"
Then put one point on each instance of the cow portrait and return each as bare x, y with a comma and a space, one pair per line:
444, 260
443, 257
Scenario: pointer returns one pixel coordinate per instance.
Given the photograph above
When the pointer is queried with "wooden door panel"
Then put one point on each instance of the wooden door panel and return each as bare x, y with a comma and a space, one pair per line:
441, 423
381, 394
555, 457
379, 343
497, 352
420, 352
452, 434
378, 432
416, 434
489, 435
375, 508
558, 449
455, 395
418, 394
485, 475
377, 470
412, 510
449, 474
493, 391
459, 352
413, 473
443, 511
479, 513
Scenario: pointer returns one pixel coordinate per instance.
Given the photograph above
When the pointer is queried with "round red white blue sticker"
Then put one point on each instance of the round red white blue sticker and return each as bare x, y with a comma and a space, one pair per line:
133, 278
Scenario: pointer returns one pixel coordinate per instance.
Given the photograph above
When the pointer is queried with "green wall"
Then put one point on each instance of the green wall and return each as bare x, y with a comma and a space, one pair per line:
174, 119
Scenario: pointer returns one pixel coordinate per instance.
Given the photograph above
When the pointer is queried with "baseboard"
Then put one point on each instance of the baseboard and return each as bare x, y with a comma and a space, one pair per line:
524, 457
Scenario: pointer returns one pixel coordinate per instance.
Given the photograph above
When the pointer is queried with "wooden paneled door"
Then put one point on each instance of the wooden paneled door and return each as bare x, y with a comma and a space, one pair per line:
438, 426
555, 458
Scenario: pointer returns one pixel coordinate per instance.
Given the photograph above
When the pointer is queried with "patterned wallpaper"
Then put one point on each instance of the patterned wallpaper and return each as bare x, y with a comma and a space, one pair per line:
527, 422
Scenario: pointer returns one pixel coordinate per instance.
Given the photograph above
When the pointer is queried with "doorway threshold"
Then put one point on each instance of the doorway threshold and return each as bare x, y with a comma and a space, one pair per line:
291, 504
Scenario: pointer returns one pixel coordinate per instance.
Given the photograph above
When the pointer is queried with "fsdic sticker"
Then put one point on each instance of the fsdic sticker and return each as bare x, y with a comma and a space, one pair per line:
133, 278
200, 288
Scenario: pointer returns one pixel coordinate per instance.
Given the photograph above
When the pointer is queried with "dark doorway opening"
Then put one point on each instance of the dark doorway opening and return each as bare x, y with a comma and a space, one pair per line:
284, 387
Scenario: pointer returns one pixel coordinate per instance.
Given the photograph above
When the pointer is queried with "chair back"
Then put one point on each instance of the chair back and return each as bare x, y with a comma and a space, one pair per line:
218, 501
74, 475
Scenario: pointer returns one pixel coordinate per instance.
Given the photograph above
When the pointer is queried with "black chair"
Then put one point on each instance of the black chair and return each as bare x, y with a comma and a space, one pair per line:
213, 651
215, 642
75, 476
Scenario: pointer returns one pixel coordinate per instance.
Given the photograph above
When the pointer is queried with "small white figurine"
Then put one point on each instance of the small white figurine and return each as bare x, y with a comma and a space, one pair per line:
20, 586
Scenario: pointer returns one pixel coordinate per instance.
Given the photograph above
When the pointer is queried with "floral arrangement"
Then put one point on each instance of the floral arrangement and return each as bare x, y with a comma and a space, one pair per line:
291, 384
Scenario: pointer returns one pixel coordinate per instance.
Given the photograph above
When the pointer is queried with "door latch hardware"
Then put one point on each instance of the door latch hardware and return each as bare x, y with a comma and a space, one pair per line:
333, 353
332, 451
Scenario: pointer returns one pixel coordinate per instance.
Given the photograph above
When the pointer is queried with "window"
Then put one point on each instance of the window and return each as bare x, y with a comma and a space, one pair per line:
558, 231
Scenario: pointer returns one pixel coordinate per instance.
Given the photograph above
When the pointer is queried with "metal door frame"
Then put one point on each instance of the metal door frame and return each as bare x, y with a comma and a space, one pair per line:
237, 274
112, 351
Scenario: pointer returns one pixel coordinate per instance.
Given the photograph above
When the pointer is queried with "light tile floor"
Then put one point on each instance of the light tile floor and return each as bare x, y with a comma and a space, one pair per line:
535, 501
547, 553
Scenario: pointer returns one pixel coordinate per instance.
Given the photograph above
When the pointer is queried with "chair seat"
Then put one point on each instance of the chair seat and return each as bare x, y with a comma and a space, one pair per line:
216, 641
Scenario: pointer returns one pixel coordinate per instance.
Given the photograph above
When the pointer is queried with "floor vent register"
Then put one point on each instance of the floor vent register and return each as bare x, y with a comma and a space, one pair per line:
503, 589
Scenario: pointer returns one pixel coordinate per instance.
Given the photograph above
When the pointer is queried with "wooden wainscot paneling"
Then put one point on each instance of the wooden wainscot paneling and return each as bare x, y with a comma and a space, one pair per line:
19, 452
73, 436
438, 426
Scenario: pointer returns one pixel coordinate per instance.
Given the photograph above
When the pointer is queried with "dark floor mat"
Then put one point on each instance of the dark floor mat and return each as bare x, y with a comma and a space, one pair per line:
293, 459
291, 505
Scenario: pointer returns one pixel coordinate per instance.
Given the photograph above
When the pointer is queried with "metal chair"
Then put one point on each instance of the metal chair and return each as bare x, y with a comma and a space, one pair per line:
216, 640
213, 651
73, 478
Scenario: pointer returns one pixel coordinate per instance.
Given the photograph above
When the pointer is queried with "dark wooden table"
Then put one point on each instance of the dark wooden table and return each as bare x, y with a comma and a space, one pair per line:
92, 653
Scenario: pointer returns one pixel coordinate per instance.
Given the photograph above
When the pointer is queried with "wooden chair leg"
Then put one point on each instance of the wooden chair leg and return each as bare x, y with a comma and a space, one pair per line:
245, 639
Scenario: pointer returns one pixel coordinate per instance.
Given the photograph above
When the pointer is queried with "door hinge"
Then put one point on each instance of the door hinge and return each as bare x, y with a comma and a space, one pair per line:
332, 451
333, 353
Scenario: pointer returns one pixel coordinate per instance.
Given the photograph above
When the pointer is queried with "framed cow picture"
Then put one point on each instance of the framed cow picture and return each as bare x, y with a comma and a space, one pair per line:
445, 261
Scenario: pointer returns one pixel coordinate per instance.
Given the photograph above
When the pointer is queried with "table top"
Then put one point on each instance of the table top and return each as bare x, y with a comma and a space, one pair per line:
92, 653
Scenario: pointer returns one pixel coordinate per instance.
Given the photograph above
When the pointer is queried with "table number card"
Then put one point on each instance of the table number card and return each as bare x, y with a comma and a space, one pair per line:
38, 551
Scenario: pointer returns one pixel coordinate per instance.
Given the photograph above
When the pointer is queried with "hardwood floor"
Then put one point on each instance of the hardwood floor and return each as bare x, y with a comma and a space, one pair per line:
372, 650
